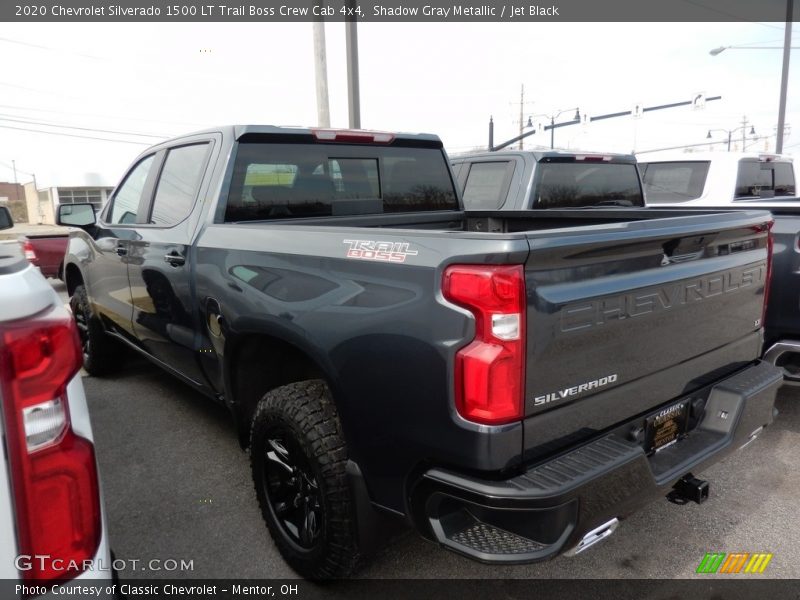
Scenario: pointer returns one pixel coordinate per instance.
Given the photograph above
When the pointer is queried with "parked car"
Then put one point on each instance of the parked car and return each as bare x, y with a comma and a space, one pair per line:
715, 178
511, 384
43, 245
46, 251
51, 512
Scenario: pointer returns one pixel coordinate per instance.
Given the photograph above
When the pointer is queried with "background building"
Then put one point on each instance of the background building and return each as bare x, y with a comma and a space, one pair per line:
12, 195
42, 203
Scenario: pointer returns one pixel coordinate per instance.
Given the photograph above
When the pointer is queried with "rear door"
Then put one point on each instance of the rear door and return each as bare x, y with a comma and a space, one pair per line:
159, 262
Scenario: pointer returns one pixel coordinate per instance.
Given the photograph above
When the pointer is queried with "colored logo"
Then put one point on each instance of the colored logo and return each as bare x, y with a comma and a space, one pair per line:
736, 562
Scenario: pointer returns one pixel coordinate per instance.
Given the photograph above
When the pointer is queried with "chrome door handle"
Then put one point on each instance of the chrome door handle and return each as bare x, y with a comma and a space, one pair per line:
175, 259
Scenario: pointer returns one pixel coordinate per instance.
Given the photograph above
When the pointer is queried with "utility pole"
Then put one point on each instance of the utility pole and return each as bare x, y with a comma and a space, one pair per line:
521, 104
16, 190
787, 42
353, 94
321, 75
744, 132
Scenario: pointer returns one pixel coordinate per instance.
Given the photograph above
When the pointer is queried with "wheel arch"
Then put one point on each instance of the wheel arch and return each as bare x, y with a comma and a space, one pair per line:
73, 277
258, 361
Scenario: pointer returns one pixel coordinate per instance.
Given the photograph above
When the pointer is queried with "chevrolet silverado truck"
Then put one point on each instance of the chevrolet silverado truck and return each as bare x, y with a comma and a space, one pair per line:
522, 180
52, 529
511, 384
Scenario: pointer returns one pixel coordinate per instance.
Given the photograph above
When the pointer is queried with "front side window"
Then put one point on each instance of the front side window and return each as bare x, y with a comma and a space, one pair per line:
126, 200
177, 186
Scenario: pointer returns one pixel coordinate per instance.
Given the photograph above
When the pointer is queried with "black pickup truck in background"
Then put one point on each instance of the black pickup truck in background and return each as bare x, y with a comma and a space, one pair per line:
512, 384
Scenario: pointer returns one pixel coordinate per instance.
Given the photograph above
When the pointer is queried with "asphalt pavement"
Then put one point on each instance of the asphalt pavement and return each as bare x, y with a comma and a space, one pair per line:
177, 486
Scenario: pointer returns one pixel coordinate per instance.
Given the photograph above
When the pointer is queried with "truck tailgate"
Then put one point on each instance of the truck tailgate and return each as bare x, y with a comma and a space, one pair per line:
620, 322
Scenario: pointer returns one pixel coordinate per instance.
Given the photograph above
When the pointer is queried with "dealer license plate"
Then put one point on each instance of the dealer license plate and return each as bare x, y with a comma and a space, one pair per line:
666, 426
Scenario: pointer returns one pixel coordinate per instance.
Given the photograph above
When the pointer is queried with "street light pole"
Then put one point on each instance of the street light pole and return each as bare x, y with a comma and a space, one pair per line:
787, 40
730, 133
787, 47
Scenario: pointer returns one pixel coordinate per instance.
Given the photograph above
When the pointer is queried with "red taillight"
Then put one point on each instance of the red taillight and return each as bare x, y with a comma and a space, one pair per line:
30, 253
768, 279
490, 371
353, 135
54, 475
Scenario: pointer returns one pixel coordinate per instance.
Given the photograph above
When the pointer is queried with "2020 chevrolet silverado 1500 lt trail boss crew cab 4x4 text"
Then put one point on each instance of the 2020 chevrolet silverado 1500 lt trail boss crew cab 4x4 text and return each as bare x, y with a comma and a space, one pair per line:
511, 384
51, 519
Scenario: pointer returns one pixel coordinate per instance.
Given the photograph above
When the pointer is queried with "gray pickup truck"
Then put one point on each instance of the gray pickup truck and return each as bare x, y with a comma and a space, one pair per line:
509, 384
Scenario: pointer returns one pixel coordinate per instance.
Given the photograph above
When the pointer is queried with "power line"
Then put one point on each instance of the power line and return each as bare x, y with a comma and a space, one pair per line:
48, 48
94, 130
75, 135
80, 114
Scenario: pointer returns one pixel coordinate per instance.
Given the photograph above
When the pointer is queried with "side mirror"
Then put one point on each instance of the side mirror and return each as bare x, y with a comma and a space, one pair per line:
6, 222
76, 215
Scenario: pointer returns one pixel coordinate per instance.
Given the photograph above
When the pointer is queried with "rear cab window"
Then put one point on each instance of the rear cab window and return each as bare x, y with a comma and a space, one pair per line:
764, 179
674, 181
295, 180
569, 182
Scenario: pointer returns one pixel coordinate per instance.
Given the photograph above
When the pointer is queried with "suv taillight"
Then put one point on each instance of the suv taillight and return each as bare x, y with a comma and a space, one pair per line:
54, 475
490, 371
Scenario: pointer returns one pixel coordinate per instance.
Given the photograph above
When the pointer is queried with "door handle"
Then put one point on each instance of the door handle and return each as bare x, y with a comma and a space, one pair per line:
175, 259
121, 250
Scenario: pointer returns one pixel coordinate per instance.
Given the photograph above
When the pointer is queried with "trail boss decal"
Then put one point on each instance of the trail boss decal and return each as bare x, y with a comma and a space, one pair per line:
575, 390
394, 252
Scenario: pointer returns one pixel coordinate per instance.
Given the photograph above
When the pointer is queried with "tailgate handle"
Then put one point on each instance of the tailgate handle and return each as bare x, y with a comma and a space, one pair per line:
121, 250
175, 259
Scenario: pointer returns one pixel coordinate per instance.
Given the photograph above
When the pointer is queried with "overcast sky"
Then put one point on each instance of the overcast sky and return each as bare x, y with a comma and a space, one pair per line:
448, 78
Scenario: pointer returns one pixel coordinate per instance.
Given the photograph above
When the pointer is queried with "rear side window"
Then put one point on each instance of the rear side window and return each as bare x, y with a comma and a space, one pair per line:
125, 204
579, 184
273, 181
670, 182
487, 184
178, 183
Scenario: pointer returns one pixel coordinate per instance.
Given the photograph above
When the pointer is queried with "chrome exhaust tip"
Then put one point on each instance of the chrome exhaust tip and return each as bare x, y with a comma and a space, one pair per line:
782, 353
598, 534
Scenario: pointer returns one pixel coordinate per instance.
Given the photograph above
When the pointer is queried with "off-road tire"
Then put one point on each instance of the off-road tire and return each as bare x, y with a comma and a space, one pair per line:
101, 354
305, 412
